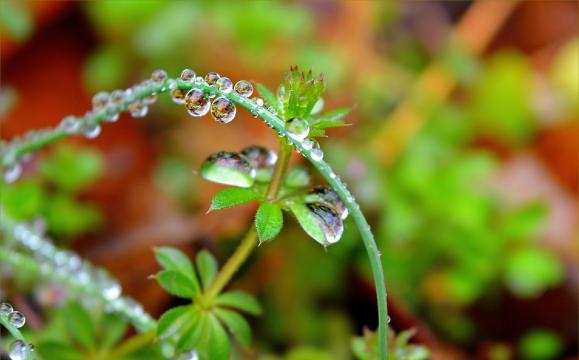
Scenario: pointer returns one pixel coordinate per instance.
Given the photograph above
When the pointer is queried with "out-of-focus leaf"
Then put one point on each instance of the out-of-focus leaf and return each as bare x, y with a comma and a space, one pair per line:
22, 200
219, 345
173, 259
106, 68
240, 301
72, 169
16, 20
66, 217
530, 271
565, 72
268, 221
177, 284
111, 330
207, 267
56, 350
232, 197
540, 344
298, 177
268, 96
80, 325
172, 320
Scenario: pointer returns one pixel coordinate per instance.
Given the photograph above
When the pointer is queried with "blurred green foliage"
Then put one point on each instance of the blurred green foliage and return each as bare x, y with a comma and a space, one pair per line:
540, 344
53, 195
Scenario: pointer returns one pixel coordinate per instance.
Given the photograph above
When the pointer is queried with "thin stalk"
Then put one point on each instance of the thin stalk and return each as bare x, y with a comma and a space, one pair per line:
132, 344
249, 242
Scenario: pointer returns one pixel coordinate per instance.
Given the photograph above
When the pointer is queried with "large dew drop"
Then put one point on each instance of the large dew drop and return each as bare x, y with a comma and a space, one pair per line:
328, 220
17, 319
297, 129
100, 100
223, 110
224, 84
211, 78
6, 309
197, 102
262, 159
138, 109
178, 96
12, 173
159, 76
328, 197
19, 350
228, 168
244, 88
187, 76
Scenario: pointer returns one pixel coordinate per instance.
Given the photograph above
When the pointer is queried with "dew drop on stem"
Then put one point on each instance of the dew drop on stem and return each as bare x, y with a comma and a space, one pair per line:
244, 88
17, 319
297, 128
197, 102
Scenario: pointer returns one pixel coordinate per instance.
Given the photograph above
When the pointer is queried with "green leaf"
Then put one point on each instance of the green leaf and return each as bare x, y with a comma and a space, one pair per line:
268, 221
239, 300
71, 168
177, 284
219, 345
330, 119
173, 259
172, 320
308, 222
237, 325
531, 271
57, 350
194, 332
111, 330
541, 344
22, 200
267, 95
79, 325
207, 267
232, 197
66, 216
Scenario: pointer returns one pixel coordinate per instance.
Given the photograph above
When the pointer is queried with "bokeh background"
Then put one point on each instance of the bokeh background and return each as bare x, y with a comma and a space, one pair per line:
463, 153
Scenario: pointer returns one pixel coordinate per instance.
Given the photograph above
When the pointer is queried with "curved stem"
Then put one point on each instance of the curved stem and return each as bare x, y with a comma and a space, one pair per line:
132, 344
250, 240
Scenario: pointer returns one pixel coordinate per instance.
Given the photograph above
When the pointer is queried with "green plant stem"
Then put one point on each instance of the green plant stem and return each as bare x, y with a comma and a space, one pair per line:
250, 240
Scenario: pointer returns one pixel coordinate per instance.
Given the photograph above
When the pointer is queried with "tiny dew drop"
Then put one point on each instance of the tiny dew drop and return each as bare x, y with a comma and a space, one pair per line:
187, 76
17, 319
224, 84
258, 101
69, 125
308, 144
159, 76
116, 97
199, 80
223, 110
12, 173
6, 309
211, 78
244, 88
297, 129
316, 152
197, 103
178, 96
91, 131
151, 99
228, 168
100, 100
138, 109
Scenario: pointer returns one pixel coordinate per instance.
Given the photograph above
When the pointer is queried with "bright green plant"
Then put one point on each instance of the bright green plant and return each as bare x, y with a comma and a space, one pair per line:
254, 174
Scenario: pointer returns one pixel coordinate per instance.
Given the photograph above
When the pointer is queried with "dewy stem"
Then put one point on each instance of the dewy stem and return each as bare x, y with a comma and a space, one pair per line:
250, 240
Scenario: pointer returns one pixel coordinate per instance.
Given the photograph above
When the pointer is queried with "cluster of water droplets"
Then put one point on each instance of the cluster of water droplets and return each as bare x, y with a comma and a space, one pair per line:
68, 267
243, 169
18, 350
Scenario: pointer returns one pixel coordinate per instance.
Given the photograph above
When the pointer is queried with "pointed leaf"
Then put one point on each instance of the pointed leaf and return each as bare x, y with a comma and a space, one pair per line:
175, 283
193, 333
237, 325
267, 95
207, 267
219, 345
332, 118
56, 350
112, 328
232, 197
268, 221
239, 300
173, 259
172, 320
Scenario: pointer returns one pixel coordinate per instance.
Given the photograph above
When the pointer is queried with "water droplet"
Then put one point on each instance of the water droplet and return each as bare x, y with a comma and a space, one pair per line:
199, 80
318, 107
100, 100
192, 355
151, 99
187, 76
308, 144
388, 319
262, 159
224, 85
297, 129
178, 96
197, 102
223, 110
159, 76
91, 131
17, 319
12, 173
69, 124
6, 309
116, 98
111, 116
18, 350
258, 101
138, 109
228, 168
326, 195
328, 220
244, 88
316, 152
211, 78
